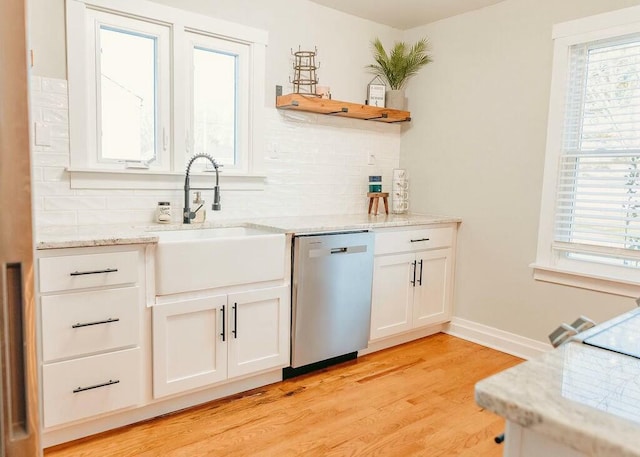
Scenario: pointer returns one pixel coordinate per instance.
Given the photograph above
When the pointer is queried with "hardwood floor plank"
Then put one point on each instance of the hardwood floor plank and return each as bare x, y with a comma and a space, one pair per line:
410, 400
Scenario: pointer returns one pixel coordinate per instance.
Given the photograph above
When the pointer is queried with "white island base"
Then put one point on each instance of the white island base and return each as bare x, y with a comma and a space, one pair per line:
523, 442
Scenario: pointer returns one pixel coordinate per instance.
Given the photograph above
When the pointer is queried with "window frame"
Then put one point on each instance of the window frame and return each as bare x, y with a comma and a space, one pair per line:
203, 41
550, 264
168, 173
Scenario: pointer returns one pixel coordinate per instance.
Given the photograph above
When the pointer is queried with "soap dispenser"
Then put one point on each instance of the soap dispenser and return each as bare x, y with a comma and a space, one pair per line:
199, 208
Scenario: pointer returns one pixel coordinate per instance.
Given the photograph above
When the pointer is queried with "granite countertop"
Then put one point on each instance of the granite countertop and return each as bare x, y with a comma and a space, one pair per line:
108, 235
584, 397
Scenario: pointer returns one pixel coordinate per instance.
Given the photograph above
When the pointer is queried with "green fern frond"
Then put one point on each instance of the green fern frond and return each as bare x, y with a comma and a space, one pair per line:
403, 62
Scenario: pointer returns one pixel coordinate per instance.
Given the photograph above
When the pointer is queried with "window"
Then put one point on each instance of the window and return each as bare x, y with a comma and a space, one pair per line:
590, 221
219, 79
151, 85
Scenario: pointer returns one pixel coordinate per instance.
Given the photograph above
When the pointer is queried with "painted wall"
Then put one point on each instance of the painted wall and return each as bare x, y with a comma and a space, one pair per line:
476, 149
315, 164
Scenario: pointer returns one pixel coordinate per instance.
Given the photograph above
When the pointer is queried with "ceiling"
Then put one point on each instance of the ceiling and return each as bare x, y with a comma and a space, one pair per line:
405, 14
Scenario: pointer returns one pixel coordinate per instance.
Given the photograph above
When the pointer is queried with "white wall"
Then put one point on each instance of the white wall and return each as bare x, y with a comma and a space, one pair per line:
315, 164
475, 148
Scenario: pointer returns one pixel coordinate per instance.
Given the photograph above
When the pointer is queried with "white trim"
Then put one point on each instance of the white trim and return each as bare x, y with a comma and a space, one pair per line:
79, 26
621, 17
588, 281
83, 178
110, 421
168, 14
549, 265
497, 339
395, 340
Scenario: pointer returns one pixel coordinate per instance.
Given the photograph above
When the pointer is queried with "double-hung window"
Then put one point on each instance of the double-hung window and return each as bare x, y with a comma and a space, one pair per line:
151, 85
590, 222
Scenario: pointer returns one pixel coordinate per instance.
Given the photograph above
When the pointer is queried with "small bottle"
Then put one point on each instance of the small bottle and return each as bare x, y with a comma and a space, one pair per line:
199, 208
163, 213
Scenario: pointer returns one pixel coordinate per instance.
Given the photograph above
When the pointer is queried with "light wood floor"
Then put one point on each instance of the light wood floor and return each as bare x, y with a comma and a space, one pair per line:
411, 400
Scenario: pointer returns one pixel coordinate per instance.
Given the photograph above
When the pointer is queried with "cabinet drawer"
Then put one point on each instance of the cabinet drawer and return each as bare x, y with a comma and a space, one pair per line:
412, 240
85, 387
89, 270
87, 322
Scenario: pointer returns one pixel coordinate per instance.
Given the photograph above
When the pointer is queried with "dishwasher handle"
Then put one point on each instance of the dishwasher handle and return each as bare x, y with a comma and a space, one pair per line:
322, 252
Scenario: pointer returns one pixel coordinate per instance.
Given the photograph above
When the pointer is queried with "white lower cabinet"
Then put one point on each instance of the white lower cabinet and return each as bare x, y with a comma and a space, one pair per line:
199, 342
84, 387
90, 321
411, 289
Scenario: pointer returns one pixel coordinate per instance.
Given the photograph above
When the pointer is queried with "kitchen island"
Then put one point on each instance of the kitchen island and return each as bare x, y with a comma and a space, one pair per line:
577, 400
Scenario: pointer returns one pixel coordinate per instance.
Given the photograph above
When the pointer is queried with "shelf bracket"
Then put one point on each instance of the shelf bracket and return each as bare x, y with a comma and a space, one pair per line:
382, 116
342, 110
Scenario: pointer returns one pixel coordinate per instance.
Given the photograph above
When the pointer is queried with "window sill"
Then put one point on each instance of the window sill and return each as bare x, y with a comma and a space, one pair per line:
600, 283
163, 180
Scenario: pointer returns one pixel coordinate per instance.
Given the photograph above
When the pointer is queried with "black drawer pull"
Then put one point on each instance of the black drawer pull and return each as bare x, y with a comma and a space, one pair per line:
420, 239
97, 386
415, 266
224, 327
235, 320
95, 272
88, 324
420, 279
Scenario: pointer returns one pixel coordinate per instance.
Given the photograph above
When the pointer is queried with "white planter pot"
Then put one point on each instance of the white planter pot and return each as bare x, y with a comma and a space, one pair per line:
395, 99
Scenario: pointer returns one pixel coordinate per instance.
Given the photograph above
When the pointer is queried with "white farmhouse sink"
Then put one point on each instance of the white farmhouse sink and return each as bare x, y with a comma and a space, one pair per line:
197, 259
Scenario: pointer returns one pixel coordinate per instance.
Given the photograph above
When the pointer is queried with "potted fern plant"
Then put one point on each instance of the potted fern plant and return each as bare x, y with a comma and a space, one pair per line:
398, 66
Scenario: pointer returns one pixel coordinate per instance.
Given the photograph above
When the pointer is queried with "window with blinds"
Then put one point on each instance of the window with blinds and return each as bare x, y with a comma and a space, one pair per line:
597, 216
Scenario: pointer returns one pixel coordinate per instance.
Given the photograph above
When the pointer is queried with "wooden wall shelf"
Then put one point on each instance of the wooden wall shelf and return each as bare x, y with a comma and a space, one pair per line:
300, 102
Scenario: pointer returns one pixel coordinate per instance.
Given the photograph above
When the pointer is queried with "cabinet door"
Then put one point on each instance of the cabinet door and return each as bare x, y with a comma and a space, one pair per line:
259, 328
432, 295
189, 349
392, 295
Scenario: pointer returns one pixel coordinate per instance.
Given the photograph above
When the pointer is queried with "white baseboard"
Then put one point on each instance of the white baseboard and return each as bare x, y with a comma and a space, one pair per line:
494, 338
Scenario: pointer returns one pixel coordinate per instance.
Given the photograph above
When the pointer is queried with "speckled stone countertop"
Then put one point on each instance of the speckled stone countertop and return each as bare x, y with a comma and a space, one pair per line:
108, 235
584, 397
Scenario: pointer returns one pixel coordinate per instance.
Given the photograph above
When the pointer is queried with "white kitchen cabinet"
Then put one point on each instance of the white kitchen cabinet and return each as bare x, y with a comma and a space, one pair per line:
90, 308
189, 344
203, 341
259, 337
412, 280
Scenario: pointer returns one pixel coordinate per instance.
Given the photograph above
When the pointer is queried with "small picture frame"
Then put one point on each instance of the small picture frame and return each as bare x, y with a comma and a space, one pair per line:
375, 92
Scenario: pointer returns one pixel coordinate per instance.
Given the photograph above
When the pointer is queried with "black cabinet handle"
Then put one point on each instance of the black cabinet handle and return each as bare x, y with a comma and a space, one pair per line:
224, 325
235, 320
94, 272
97, 386
88, 324
419, 239
413, 281
420, 279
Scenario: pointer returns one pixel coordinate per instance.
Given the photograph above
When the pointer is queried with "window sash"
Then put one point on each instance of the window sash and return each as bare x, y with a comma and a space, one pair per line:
85, 170
162, 33
598, 184
241, 51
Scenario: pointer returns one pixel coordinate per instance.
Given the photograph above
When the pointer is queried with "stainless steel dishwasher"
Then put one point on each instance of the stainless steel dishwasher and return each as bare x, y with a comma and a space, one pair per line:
331, 298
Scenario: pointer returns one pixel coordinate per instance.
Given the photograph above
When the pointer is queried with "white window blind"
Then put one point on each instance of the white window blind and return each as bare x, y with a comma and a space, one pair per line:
597, 215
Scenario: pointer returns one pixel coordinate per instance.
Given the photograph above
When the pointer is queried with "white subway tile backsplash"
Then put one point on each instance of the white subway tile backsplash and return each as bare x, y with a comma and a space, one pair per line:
74, 203
60, 116
49, 100
50, 159
55, 174
314, 165
35, 83
48, 218
44, 189
55, 86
